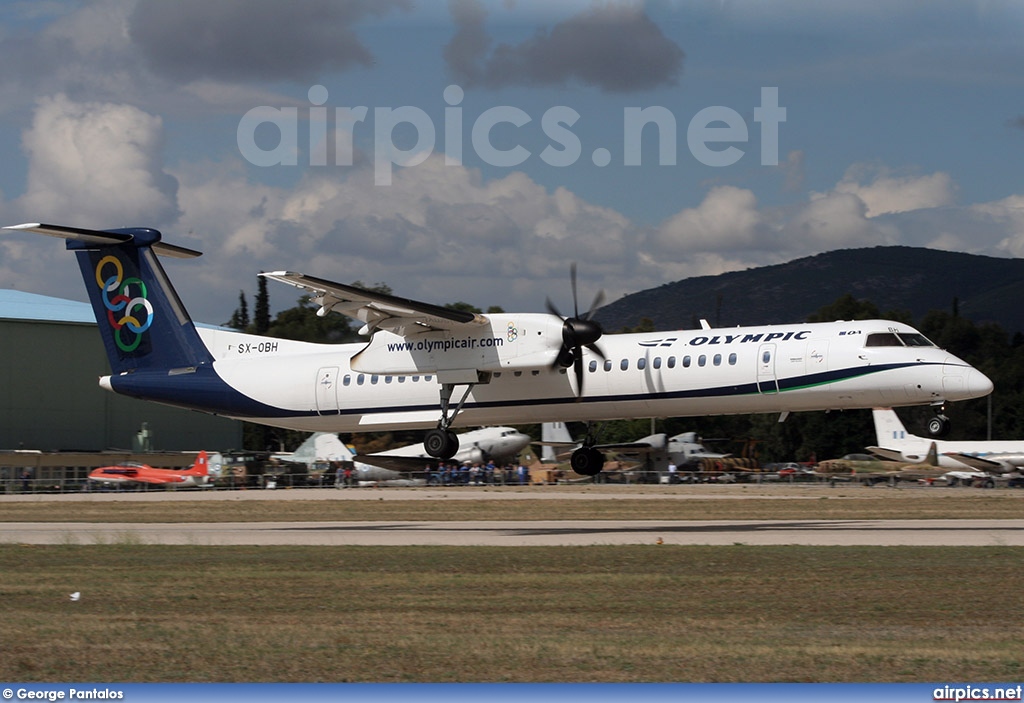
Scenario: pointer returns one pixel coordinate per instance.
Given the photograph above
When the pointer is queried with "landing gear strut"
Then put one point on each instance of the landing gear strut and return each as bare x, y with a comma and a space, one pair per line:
442, 443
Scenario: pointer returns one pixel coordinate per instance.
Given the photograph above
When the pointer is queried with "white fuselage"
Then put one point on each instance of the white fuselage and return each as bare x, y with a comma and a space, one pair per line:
393, 381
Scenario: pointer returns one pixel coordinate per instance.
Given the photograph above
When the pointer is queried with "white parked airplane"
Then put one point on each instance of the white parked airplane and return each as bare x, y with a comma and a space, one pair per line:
513, 368
896, 443
498, 444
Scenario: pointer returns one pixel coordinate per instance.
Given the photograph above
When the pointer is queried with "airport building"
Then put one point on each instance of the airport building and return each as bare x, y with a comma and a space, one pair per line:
51, 357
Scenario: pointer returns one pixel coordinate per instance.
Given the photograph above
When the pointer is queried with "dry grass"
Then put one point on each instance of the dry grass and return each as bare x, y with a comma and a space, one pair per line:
544, 503
646, 613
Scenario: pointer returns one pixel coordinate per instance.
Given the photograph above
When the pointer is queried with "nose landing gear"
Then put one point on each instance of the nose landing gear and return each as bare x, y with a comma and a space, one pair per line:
938, 426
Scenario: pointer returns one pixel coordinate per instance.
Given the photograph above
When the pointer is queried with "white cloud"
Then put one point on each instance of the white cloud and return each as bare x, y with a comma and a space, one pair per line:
96, 164
727, 219
1008, 215
888, 194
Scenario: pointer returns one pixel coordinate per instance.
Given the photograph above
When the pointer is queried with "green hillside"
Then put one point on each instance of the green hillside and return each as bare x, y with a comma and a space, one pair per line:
914, 280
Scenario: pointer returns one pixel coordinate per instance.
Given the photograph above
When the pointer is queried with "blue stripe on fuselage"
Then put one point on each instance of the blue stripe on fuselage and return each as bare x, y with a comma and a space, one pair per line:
203, 389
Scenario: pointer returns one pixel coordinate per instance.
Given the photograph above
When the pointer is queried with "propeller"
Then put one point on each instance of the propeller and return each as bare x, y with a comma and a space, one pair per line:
577, 332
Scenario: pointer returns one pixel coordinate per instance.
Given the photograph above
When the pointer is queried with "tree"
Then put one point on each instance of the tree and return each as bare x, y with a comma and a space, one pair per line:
240, 317
261, 314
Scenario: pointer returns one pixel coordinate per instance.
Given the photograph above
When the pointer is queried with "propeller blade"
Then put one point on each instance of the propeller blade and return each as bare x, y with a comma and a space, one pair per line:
597, 350
577, 366
553, 310
598, 302
572, 277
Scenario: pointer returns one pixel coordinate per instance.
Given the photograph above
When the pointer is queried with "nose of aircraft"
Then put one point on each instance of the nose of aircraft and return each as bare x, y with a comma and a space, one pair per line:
978, 384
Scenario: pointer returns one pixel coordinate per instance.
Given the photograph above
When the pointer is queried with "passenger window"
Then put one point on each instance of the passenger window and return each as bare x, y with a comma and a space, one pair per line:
624, 364
686, 361
387, 379
374, 378
657, 362
359, 379
717, 361
702, 360
641, 364
607, 364
671, 362
766, 357
593, 365
347, 380
732, 359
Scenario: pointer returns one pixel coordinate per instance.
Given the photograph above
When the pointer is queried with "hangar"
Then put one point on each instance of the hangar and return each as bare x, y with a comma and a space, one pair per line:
51, 356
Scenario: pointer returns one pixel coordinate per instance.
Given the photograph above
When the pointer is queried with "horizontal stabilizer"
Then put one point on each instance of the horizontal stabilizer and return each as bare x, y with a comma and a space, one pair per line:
100, 238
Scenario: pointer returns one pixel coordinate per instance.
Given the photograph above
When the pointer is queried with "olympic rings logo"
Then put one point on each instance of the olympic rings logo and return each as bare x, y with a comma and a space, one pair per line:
126, 314
512, 333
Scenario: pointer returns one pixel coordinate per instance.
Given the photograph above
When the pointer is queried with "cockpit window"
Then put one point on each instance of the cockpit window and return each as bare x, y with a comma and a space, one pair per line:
883, 339
897, 339
915, 339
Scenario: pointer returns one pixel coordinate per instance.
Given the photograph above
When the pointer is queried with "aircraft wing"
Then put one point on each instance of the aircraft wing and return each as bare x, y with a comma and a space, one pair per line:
153, 480
885, 454
995, 463
631, 447
377, 310
396, 463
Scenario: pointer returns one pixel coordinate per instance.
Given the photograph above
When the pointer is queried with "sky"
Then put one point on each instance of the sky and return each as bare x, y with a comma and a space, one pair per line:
471, 150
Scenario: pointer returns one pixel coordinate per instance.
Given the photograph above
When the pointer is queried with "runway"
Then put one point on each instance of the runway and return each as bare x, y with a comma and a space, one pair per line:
532, 533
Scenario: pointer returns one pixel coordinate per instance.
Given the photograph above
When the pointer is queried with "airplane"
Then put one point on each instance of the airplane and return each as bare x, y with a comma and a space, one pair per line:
511, 368
895, 442
656, 451
498, 444
195, 476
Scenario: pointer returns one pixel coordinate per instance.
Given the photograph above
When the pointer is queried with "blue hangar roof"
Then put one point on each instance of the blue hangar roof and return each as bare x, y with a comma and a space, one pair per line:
18, 305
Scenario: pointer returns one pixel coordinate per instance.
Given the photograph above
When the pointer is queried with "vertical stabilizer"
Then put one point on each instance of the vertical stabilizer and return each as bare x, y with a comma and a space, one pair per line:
143, 323
202, 465
889, 429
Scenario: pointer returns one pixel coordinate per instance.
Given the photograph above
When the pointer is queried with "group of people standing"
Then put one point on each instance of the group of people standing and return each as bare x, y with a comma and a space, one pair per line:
476, 474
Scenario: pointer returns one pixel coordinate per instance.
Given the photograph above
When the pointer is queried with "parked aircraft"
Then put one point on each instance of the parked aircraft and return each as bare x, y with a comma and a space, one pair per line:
655, 451
498, 444
512, 368
197, 475
895, 442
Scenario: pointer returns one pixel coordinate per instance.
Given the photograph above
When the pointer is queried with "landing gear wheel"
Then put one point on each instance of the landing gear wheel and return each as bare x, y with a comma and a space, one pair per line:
938, 426
441, 444
587, 461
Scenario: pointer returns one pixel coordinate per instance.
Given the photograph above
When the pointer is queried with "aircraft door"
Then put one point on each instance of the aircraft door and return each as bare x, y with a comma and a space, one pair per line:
327, 390
766, 380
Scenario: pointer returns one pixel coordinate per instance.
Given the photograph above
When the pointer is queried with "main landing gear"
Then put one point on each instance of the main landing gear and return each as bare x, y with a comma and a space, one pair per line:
587, 460
442, 443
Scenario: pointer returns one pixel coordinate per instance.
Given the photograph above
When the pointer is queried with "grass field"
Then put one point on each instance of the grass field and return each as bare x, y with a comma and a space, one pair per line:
467, 614
543, 503
648, 613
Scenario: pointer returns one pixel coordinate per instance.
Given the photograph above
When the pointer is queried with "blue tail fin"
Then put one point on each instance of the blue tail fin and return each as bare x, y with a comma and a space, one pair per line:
143, 323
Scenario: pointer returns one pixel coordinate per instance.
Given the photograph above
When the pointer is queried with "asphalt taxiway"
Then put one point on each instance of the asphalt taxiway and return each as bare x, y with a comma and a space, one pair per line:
925, 532
531, 533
